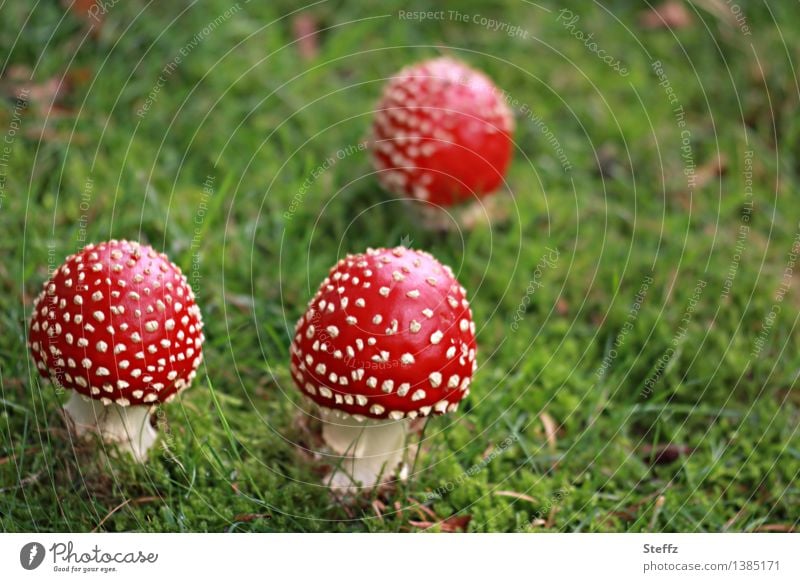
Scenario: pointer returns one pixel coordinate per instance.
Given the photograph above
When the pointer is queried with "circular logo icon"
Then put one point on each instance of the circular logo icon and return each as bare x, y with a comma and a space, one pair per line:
31, 555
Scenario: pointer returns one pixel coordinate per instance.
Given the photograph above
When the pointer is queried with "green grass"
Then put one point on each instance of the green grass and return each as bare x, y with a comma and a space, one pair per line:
244, 108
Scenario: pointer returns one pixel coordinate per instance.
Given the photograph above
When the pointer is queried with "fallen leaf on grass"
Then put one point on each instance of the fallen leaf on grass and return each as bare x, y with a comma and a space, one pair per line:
550, 429
450, 525
710, 170
378, 507
665, 454
671, 14
551, 517
304, 27
562, 307
44, 101
776, 527
87, 11
423, 510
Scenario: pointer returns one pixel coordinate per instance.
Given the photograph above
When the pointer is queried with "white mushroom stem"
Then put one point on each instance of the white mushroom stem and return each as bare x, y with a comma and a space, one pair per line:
126, 426
371, 450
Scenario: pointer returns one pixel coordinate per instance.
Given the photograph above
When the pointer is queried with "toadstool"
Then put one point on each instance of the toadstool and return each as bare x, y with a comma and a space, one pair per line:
117, 324
387, 338
442, 133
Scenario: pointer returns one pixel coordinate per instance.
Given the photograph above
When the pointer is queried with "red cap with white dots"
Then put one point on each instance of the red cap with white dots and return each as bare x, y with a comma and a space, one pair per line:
442, 133
117, 322
389, 334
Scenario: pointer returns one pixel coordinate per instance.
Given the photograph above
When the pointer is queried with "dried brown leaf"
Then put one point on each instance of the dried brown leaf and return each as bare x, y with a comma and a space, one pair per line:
665, 454
671, 14
305, 29
550, 429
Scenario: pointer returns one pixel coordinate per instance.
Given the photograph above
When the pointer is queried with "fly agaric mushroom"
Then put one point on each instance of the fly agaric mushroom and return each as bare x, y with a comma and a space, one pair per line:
442, 133
118, 325
388, 338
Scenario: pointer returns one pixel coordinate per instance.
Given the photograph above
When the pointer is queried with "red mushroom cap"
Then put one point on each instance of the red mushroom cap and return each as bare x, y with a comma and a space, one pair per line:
389, 334
442, 133
118, 323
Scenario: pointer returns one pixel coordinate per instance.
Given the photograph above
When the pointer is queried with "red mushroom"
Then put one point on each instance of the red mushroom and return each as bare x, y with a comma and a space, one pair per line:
442, 133
117, 324
388, 338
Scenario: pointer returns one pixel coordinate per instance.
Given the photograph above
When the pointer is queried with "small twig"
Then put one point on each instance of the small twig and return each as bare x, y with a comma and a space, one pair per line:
515, 495
659, 504
121, 505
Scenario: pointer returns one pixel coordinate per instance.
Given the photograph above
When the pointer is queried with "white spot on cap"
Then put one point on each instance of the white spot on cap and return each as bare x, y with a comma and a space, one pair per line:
436, 379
